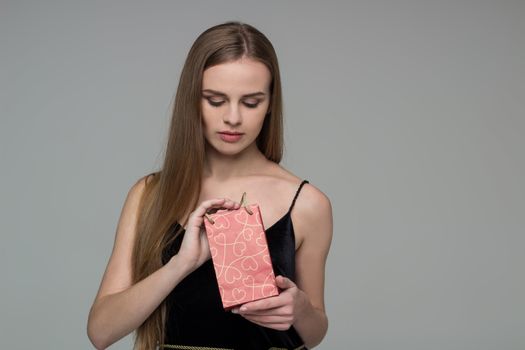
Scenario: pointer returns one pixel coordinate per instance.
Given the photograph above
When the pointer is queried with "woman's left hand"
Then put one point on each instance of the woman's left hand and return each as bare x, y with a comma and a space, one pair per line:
278, 312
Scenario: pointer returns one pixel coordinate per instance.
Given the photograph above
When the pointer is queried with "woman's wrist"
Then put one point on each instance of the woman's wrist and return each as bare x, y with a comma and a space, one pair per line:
311, 323
180, 265
303, 304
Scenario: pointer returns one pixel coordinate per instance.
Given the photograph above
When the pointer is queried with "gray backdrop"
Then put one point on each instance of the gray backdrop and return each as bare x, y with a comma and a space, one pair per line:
407, 114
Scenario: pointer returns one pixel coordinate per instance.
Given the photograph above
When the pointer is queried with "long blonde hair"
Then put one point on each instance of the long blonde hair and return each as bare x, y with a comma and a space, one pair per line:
172, 192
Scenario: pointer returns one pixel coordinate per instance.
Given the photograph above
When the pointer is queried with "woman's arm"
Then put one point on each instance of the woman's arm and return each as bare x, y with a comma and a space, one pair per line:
114, 315
120, 307
315, 224
301, 304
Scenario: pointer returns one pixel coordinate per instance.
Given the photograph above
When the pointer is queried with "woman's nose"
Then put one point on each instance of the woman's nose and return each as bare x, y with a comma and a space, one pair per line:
233, 115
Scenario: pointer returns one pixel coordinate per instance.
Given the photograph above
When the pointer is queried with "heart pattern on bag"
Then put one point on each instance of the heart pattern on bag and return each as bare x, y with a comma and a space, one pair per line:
240, 255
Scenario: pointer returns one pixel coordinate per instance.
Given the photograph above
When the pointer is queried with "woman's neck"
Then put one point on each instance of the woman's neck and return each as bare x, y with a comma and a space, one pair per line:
222, 167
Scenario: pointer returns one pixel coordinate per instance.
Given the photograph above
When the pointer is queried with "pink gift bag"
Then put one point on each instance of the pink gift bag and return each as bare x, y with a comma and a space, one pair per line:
240, 255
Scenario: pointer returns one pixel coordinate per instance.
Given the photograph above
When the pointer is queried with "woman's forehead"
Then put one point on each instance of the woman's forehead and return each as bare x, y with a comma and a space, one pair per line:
237, 78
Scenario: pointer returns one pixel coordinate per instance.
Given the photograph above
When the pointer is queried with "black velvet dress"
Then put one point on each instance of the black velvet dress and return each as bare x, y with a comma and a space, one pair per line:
196, 318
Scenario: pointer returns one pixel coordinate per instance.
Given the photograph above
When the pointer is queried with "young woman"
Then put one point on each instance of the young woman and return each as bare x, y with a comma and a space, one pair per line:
225, 138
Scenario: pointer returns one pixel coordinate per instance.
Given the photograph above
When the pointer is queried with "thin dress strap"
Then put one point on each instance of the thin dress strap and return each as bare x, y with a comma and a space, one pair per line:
297, 193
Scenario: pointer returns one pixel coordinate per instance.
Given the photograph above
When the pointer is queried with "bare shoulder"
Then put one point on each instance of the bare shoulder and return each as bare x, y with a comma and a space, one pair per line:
312, 198
312, 211
145, 180
130, 209
134, 196
137, 189
314, 202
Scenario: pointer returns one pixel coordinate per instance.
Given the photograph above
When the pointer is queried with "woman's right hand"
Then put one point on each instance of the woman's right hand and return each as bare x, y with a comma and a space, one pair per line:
194, 249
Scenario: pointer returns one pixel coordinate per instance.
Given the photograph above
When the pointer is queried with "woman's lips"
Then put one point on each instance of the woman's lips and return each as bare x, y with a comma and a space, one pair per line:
230, 137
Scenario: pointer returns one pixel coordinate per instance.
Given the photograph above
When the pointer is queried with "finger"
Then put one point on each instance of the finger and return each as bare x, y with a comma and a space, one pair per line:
264, 304
284, 282
269, 319
203, 208
276, 311
210, 203
214, 202
223, 202
232, 202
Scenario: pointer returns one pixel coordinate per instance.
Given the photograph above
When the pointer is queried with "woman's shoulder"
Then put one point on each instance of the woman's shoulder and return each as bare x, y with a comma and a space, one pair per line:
149, 178
137, 190
284, 178
142, 182
312, 210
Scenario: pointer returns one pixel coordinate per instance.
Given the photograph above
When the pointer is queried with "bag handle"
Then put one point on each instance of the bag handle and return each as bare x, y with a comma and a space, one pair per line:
243, 202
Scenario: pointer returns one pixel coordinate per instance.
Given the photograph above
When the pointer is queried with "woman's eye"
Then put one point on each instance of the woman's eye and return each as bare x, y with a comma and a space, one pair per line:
215, 103
219, 103
251, 105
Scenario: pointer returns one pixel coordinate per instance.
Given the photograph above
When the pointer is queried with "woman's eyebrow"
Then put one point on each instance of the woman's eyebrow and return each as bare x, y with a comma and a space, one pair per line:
224, 95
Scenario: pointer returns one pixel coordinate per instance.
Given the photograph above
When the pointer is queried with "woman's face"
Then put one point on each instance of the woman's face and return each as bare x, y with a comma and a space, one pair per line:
235, 98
